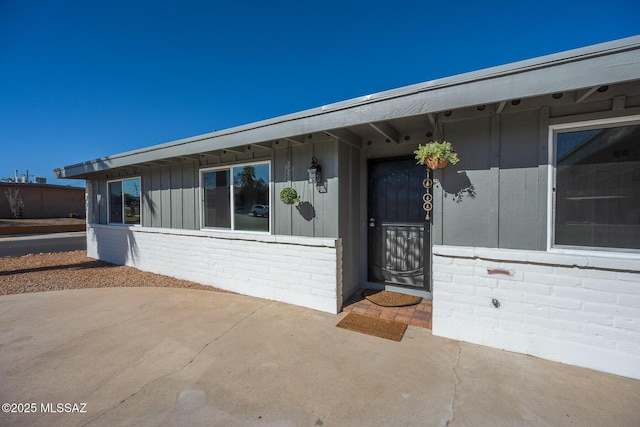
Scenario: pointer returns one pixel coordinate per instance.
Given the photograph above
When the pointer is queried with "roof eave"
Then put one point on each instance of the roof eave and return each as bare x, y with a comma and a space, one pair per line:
606, 63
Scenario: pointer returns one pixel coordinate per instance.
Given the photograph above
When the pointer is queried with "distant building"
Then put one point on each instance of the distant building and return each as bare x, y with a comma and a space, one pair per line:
44, 200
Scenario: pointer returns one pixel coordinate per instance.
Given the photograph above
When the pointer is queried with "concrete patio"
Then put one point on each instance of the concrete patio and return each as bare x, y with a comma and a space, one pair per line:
161, 356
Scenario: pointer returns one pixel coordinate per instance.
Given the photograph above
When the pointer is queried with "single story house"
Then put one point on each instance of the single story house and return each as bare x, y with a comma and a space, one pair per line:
533, 241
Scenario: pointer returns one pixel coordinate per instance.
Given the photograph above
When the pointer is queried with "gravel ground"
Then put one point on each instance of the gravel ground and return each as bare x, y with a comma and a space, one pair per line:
73, 270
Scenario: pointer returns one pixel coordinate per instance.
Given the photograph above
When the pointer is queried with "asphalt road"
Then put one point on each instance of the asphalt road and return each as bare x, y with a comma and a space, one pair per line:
42, 243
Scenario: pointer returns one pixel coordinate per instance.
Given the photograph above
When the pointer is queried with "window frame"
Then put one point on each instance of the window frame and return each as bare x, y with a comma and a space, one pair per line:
554, 130
231, 187
108, 194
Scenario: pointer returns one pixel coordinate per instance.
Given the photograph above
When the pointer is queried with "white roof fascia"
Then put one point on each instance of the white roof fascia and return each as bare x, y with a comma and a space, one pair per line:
601, 64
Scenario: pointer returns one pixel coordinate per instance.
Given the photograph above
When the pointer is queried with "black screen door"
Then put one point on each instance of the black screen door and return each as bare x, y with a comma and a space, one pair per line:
399, 242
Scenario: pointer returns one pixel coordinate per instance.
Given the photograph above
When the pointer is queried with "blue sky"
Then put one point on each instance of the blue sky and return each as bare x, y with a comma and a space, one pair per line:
84, 79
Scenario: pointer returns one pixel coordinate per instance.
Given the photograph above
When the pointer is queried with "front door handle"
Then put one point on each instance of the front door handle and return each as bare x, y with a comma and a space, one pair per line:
372, 222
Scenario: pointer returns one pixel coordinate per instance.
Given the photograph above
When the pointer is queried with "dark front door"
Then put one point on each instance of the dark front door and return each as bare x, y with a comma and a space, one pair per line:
399, 242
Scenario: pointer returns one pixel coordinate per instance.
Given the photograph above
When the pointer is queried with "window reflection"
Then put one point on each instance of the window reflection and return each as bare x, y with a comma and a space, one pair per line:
251, 197
115, 202
216, 199
124, 201
597, 191
131, 198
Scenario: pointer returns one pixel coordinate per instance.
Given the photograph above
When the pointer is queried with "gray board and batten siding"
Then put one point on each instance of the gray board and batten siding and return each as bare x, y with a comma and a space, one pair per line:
171, 194
495, 197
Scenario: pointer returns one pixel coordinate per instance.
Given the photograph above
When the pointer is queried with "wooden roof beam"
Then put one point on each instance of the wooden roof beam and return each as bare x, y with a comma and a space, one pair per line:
192, 158
345, 135
385, 129
261, 146
205, 155
232, 150
583, 97
293, 141
157, 163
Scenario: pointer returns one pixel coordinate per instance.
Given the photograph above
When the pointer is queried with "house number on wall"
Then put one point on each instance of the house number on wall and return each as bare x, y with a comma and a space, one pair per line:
427, 198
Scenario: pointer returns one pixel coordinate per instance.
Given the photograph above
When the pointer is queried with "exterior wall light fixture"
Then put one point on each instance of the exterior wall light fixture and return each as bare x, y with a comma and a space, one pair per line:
315, 172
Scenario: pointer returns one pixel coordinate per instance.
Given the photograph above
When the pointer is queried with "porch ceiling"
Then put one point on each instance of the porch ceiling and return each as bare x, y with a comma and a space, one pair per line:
583, 74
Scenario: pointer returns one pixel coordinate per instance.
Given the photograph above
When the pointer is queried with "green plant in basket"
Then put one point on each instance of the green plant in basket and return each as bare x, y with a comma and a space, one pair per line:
289, 196
436, 155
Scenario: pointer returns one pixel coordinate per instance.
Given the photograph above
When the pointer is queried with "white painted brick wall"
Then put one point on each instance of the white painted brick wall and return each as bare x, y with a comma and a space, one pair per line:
296, 270
577, 309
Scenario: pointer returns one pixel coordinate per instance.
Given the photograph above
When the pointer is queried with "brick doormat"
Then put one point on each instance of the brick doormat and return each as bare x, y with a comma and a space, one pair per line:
372, 326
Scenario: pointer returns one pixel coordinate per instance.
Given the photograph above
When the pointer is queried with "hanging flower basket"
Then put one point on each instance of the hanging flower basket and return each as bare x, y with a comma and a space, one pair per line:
436, 155
435, 162
289, 196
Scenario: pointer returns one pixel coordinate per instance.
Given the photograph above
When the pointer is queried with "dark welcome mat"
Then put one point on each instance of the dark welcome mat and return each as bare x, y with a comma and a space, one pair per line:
373, 326
390, 299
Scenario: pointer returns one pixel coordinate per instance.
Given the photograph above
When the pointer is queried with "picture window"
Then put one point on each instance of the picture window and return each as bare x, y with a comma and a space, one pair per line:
597, 186
237, 197
124, 201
